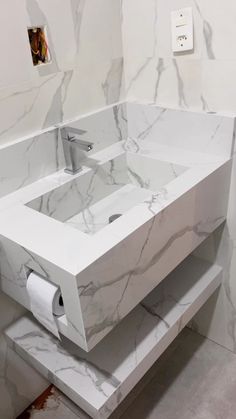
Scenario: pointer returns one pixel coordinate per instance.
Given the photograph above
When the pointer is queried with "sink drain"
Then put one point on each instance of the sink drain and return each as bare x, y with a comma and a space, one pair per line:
114, 217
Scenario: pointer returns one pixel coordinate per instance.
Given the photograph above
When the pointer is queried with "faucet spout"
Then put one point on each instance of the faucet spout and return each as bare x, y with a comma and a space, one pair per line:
74, 148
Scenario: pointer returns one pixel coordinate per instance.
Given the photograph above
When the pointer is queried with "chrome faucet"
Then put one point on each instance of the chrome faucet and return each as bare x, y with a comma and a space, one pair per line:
74, 148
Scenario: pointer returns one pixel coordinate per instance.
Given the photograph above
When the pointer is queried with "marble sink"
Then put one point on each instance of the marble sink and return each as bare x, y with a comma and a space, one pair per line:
169, 199
109, 189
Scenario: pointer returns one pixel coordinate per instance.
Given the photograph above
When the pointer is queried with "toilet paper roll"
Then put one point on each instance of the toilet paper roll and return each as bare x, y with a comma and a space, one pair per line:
45, 301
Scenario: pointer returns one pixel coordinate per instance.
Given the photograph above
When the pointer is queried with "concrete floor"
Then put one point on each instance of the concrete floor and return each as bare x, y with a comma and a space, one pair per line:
195, 378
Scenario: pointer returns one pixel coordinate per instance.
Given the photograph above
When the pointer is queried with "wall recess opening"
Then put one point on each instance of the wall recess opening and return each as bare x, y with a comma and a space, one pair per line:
39, 46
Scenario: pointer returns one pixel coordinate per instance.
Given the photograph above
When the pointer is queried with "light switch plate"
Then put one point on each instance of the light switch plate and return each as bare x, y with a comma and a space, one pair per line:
182, 30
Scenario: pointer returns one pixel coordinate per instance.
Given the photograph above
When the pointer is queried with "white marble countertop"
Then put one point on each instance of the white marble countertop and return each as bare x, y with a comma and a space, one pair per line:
103, 276
72, 250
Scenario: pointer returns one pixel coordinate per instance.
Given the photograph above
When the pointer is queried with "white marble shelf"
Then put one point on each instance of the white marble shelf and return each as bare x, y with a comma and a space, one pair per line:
100, 380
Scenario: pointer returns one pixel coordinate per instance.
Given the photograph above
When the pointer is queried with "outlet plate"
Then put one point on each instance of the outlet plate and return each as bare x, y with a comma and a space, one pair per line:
182, 30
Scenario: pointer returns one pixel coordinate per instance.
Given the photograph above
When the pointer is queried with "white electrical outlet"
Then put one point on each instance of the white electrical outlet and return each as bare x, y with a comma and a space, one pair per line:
182, 29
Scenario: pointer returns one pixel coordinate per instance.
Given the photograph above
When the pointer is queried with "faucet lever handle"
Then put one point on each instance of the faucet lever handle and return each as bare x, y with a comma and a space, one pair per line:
66, 131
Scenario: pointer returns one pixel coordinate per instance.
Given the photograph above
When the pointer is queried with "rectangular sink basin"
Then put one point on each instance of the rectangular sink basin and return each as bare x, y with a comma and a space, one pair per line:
107, 191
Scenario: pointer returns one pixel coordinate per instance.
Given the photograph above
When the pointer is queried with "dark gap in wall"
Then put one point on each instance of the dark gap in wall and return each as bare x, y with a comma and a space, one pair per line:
38, 46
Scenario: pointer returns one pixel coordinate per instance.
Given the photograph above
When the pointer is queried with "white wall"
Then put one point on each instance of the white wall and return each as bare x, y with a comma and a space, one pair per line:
201, 80
85, 74
86, 71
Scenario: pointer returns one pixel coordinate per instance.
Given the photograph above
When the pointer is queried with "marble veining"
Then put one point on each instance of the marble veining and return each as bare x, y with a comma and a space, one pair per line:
112, 85
99, 381
189, 80
207, 32
147, 166
111, 183
32, 102
200, 72
173, 127
77, 14
60, 90
37, 157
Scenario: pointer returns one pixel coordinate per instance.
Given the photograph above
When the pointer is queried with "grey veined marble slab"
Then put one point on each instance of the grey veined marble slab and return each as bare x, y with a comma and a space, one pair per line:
154, 168
100, 380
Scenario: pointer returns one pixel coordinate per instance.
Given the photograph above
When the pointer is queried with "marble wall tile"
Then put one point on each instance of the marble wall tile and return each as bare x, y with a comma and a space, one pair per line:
86, 73
139, 14
15, 53
29, 160
200, 80
189, 80
178, 83
59, 32
29, 108
167, 81
105, 127
33, 100
33, 158
198, 132
217, 320
98, 31
152, 71
163, 30
88, 91
218, 88
58, 98
81, 33
219, 30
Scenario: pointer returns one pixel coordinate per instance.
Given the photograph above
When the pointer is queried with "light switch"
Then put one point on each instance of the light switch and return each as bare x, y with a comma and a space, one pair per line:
182, 29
